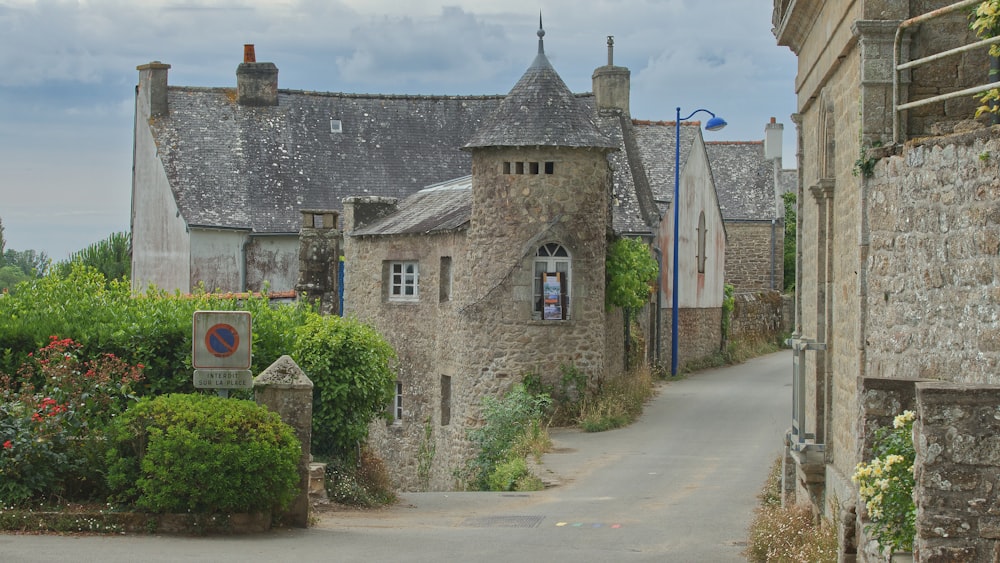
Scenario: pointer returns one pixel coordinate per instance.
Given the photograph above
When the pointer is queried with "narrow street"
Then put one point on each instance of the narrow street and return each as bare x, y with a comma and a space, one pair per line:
679, 485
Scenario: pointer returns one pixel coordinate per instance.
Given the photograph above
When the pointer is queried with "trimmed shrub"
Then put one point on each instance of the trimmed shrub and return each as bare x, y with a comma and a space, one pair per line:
348, 363
203, 454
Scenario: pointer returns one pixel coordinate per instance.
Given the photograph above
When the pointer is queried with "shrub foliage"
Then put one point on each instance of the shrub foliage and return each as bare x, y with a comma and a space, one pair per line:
348, 362
202, 454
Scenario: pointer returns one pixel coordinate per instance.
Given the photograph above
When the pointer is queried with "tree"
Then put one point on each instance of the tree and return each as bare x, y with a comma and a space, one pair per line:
3, 243
33, 264
111, 256
11, 276
631, 271
789, 253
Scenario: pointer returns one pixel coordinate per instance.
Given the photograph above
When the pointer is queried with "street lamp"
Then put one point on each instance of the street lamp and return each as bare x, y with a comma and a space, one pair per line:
714, 124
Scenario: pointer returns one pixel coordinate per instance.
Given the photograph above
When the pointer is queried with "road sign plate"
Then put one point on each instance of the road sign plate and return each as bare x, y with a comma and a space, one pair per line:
223, 379
221, 340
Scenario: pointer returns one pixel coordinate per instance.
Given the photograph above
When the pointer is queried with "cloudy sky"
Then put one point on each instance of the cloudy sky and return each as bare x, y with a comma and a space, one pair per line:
67, 75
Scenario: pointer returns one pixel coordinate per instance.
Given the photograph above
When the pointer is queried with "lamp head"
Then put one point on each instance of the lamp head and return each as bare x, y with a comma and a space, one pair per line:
715, 123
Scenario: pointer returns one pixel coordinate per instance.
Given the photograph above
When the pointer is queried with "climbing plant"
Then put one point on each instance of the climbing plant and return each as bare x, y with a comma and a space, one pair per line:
631, 271
986, 24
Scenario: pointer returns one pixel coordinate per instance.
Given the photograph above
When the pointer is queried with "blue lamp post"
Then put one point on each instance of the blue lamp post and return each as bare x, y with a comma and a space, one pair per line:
714, 124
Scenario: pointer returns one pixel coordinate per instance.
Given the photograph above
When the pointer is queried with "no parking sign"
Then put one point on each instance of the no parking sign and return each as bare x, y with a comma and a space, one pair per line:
221, 340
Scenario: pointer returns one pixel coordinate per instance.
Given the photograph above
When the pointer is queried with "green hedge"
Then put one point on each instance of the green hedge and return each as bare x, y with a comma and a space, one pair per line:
198, 453
347, 361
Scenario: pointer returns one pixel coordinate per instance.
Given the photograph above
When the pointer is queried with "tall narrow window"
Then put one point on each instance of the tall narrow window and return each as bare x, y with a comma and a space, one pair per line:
445, 281
551, 281
702, 235
397, 405
445, 400
403, 281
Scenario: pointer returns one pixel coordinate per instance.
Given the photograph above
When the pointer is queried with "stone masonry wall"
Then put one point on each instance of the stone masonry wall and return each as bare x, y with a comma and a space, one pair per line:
699, 335
934, 281
424, 356
957, 470
756, 316
754, 255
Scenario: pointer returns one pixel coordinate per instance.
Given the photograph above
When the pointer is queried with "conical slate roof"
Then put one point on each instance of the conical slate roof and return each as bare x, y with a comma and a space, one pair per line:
540, 111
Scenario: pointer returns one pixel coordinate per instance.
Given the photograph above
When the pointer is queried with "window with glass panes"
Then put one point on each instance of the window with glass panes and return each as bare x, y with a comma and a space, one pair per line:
404, 281
551, 282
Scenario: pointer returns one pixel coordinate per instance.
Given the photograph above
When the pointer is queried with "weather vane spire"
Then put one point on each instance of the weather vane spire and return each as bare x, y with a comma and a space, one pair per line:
541, 34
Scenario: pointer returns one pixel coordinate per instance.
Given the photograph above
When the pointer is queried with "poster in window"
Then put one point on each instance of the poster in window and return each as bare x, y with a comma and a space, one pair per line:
552, 296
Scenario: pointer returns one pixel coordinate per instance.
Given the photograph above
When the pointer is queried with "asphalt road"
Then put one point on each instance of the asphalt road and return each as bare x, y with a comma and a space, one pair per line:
679, 485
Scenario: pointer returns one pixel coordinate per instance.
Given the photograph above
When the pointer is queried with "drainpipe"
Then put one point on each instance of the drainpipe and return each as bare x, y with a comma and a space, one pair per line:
659, 303
773, 225
243, 263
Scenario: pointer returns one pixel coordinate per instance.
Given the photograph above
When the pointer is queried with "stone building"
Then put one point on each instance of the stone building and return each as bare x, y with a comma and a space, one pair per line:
897, 281
480, 280
750, 181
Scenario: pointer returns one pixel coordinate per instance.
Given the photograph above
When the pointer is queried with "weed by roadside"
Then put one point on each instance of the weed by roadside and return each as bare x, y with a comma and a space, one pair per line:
788, 533
617, 402
366, 484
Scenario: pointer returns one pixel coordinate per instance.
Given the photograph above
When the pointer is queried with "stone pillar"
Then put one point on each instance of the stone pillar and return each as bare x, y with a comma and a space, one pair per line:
284, 388
319, 260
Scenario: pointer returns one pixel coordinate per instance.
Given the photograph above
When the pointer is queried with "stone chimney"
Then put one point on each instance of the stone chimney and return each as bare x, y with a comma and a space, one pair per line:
319, 259
152, 90
363, 210
773, 133
256, 83
612, 83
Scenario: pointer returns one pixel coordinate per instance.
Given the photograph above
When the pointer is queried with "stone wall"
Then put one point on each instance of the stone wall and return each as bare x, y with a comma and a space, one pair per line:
699, 335
934, 284
957, 437
424, 356
756, 316
755, 255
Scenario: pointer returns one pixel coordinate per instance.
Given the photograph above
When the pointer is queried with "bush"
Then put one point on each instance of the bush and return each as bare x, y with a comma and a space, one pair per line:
885, 486
506, 422
53, 419
203, 454
348, 363
364, 484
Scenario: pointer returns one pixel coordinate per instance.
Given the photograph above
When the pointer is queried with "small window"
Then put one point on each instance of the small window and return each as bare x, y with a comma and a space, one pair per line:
445, 282
550, 167
506, 168
520, 167
533, 168
404, 281
336, 126
397, 405
702, 236
552, 283
317, 220
445, 400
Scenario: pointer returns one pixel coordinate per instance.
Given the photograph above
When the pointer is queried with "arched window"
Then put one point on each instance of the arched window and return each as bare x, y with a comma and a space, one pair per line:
552, 287
702, 235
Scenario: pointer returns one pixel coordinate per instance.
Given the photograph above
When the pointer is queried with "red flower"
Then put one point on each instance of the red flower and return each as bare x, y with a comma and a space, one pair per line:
8, 445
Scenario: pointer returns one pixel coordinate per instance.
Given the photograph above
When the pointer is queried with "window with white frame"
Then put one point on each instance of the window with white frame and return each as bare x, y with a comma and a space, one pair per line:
397, 405
551, 281
404, 280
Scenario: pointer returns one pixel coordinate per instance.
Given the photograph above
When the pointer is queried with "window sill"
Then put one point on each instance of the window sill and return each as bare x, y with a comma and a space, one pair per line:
543, 322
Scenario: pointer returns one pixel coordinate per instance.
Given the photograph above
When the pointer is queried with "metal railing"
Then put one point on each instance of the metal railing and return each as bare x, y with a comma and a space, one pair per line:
800, 437
898, 68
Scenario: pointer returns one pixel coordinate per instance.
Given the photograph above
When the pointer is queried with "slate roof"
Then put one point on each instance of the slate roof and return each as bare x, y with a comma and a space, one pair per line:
744, 180
540, 110
441, 208
254, 168
655, 141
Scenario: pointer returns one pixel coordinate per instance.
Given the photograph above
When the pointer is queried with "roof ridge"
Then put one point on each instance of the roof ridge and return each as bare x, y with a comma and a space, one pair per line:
734, 142
352, 95
665, 123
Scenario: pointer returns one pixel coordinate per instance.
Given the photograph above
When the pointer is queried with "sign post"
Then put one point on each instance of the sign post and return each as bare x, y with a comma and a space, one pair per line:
221, 350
